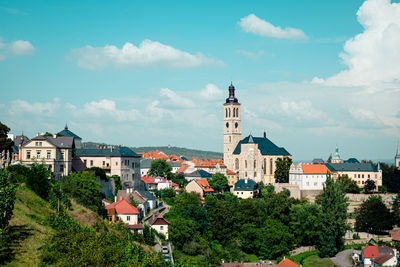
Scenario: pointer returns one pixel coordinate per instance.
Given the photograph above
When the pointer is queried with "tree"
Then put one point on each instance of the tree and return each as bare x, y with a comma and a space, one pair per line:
373, 216
218, 182
180, 179
38, 180
390, 177
349, 184
7, 199
5, 146
160, 167
182, 231
396, 209
58, 198
305, 223
369, 186
282, 169
333, 204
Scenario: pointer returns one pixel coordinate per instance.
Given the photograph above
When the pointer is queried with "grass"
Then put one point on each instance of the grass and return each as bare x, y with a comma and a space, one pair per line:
28, 230
299, 258
316, 261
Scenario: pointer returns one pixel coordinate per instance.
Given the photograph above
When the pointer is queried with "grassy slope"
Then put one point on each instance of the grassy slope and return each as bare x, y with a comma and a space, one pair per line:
315, 261
29, 228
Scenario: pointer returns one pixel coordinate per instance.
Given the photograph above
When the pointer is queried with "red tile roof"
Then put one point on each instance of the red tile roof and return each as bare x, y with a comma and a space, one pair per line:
229, 172
313, 168
287, 263
210, 163
396, 236
182, 169
205, 186
122, 207
157, 154
371, 252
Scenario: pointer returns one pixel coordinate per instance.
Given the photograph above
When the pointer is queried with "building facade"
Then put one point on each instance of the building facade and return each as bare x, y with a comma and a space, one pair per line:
121, 161
308, 176
253, 157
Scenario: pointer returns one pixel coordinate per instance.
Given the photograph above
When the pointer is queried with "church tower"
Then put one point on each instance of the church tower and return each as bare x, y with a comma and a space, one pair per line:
232, 126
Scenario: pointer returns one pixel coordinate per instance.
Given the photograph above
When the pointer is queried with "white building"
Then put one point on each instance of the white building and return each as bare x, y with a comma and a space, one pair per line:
122, 210
308, 176
158, 223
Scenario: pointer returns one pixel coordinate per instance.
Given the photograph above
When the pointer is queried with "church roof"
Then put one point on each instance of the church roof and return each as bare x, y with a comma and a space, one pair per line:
265, 146
68, 133
122, 151
351, 167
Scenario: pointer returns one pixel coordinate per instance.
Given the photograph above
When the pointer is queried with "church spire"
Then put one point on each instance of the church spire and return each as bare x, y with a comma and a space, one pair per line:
231, 98
66, 126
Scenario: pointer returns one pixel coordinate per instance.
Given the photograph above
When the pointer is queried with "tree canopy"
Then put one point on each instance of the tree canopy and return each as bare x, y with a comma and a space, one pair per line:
369, 186
282, 169
160, 167
349, 184
218, 182
7, 199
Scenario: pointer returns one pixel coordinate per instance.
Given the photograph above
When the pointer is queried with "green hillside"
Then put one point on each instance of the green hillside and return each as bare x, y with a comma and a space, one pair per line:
169, 150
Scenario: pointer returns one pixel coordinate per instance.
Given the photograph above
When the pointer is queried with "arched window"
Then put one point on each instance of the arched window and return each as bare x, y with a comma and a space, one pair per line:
245, 164
230, 139
265, 166
226, 113
270, 166
237, 163
255, 164
229, 112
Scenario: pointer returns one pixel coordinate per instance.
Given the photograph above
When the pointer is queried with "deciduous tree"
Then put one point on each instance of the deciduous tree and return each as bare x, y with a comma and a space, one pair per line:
349, 184
369, 186
161, 168
38, 180
7, 199
219, 182
282, 169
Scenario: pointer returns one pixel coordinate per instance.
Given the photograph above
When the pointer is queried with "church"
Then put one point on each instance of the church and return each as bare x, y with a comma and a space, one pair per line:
252, 157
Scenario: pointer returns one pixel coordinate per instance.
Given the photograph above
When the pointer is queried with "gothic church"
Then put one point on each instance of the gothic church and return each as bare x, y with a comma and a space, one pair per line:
252, 157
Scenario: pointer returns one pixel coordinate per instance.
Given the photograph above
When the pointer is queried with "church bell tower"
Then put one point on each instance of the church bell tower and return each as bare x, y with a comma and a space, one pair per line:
232, 126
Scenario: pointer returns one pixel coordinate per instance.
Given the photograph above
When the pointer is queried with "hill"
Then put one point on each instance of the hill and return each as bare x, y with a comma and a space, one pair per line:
169, 150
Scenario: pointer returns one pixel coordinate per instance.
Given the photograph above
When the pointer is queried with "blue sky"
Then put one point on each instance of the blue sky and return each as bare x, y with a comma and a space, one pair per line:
313, 74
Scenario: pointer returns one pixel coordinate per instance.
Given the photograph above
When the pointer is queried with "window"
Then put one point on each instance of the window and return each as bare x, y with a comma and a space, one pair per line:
50, 167
61, 168
245, 175
308, 183
40, 143
28, 154
376, 176
315, 183
91, 163
62, 155
38, 154
226, 113
270, 166
363, 176
161, 227
116, 163
36, 143
237, 163
104, 163
362, 182
242, 193
85, 162
358, 176
245, 164
229, 112
265, 166
355, 175
255, 174
251, 192
368, 176
255, 164
48, 154
128, 218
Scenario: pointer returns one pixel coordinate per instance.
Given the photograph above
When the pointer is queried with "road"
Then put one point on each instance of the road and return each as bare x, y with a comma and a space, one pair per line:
342, 258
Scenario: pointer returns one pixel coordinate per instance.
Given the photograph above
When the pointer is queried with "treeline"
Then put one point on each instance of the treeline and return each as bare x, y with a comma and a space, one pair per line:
72, 243
224, 227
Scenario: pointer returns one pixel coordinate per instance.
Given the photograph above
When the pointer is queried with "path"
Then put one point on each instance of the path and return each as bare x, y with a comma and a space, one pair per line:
342, 258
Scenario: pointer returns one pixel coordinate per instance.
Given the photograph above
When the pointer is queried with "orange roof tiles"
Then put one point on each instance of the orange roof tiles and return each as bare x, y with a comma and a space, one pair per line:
313, 168
157, 154
371, 252
123, 207
209, 163
229, 172
287, 263
396, 236
182, 168
205, 186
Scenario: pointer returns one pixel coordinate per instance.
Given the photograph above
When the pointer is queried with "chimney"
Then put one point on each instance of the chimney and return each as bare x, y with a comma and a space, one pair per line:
265, 134
37, 134
120, 197
111, 148
245, 181
54, 136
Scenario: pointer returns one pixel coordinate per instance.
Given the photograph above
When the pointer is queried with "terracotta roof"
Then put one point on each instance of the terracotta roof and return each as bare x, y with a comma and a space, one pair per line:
396, 236
210, 163
229, 172
152, 180
371, 252
158, 219
205, 186
382, 259
135, 226
182, 169
122, 207
287, 263
314, 168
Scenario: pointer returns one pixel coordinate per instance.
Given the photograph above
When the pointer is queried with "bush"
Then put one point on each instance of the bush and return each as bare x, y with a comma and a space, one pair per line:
38, 179
356, 236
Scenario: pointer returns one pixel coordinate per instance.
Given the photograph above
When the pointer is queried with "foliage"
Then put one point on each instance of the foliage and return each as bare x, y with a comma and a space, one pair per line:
382, 189
349, 184
334, 204
373, 216
5, 142
7, 199
369, 186
299, 258
38, 179
305, 223
18, 173
219, 182
117, 184
356, 236
98, 172
61, 221
396, 209
180, 179
182, 231
167, 194
282, 169
161, 168
267, 191
390, 177
58, 198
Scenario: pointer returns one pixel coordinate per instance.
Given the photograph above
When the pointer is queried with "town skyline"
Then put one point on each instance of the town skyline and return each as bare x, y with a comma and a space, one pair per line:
308, 86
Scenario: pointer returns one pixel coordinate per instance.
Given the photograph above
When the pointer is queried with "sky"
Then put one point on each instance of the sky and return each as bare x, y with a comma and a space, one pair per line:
312, 74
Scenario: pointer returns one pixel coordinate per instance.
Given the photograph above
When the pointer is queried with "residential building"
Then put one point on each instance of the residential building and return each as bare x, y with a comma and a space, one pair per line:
122, 210
199, 186
308, 176
396, 236
121, 161
131, 195
198, 174
68, 133
157, 183
245, 188
252, 157
55, 152
379, 256
286, 262
158, 223
232, 177
145, 165
175, 165
212, 166
359, 172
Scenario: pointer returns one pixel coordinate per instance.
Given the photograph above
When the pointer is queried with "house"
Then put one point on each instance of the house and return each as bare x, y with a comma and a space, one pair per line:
157, 183
151, 199
245, 188
175, 165
121, 161
68, 133
199, 186
232, 177
308, 176
379, 256
212, 166
55, 152
158, 223
198, 174
287, 263
145, 165
396, 236
122, 210
143, 205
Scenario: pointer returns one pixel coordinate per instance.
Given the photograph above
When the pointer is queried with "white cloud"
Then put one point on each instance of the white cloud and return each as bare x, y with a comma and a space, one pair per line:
254, 24
212, 92
373, 118
107, 109
372, 57
22, 107
175, 100
252, 55
21, 47
148, 53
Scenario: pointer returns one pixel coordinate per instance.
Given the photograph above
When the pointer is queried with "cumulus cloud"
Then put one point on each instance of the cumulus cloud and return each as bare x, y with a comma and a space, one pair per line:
148, 53
212, 92
173, 99
249, 54
372, 57
373, 118
22, 107
21, 47
254, 24
107, 109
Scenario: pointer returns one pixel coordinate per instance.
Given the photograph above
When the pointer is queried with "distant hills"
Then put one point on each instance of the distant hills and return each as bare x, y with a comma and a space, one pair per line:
169, 150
